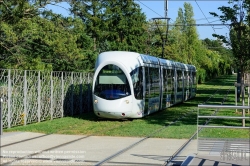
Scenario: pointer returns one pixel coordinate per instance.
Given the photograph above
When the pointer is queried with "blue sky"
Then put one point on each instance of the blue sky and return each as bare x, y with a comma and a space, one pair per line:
155, 8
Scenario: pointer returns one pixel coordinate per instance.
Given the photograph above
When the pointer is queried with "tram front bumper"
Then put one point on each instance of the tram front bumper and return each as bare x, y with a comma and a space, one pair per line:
113, 115
115, 109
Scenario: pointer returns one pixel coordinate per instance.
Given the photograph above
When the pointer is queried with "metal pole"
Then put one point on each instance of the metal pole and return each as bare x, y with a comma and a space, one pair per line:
62, 95
167, 31
39, 96
248, 96
162, 38
1, 121
166, 8
81, 94
25, 99
51, 95
89, 90
236, 96
9, 97
243, 103
72, 95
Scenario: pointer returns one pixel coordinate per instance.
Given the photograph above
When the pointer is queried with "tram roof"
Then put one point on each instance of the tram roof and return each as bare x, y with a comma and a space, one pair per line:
168, 63
149, 59
180, 65
191, 67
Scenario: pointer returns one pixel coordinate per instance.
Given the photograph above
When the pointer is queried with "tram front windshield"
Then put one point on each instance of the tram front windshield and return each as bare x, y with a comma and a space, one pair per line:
111, 83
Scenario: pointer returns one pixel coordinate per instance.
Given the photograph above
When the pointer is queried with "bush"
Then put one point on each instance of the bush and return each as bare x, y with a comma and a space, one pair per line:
201, 75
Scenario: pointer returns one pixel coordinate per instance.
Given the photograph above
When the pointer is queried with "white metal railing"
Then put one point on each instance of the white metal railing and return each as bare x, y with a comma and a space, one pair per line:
221, 117
202, 142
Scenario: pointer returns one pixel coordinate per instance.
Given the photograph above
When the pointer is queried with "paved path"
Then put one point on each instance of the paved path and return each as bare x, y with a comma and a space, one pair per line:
36, 148
27, 148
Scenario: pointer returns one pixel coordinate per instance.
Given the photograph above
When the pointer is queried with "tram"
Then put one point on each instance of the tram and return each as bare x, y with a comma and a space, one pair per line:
134, 85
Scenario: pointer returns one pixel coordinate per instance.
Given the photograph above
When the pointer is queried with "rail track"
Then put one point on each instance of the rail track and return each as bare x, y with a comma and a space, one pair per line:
182, 147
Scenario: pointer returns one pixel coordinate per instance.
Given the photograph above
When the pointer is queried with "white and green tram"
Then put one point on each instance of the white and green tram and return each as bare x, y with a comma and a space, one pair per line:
133, 85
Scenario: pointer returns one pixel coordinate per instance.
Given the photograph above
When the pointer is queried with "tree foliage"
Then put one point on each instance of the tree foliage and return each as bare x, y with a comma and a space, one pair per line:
239, 38
41, 40
34, 38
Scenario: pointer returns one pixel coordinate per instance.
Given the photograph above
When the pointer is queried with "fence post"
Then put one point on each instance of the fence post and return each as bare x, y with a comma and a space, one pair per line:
248, 90
236, 95
51, 96
248, 96
39, 97
81, 89
72, 95
1, 120
9, 98
88, 99
243, 103
62, 95
25, 98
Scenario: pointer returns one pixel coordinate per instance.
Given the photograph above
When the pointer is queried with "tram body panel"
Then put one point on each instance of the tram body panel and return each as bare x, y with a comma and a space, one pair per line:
138, 109
129, 60
111, 101
121, 108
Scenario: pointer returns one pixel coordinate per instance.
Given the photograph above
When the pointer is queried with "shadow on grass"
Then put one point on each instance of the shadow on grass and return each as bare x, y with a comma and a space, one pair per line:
164, 117
227, 80
215, 95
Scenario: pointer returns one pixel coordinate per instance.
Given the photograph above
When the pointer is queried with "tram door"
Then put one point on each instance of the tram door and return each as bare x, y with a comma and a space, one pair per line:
164, 82
152, 90
193, 84
170, 87
147, 90
167, 88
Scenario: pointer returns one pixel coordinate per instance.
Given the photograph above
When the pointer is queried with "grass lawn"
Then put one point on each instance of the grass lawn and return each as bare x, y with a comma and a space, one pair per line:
211, 92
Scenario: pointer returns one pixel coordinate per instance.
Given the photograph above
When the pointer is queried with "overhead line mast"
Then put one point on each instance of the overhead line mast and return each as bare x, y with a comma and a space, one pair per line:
164, 40
166, 8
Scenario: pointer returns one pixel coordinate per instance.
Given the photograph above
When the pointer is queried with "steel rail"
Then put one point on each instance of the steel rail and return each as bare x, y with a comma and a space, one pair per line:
138, 142
24, 140
183, 146
48, 149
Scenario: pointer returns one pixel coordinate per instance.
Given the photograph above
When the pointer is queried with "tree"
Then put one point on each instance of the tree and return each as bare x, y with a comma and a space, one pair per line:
226, 62
156, 30
126, 26
239, 32
34, 39
239, 39
92, 14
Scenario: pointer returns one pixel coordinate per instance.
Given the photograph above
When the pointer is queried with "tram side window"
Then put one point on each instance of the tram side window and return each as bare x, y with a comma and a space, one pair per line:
185, 79
147, 81
191, 78
179, 80
137, 79
156, 82
152, 81
165, 83
194, 78
170, 76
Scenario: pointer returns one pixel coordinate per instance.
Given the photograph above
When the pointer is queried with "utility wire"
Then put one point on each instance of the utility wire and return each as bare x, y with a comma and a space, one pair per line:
149, 8
171, 18
204, 15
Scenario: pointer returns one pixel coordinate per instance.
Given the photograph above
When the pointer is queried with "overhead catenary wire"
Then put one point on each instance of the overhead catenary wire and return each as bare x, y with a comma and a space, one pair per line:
149, 8
204, 15
194, 24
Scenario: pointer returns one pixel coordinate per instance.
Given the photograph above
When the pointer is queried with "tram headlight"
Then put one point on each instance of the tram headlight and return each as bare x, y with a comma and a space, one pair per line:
95, 101
127, 101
